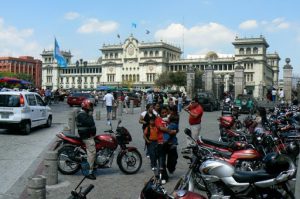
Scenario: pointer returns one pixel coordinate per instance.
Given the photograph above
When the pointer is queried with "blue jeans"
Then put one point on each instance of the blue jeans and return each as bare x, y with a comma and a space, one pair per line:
152, 150
179, 107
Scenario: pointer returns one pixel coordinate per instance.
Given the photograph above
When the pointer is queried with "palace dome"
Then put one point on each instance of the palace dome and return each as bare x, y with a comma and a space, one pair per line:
211, 55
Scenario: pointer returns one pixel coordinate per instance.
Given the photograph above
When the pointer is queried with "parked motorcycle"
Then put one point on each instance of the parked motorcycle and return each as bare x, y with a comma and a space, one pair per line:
72, 152
221, 180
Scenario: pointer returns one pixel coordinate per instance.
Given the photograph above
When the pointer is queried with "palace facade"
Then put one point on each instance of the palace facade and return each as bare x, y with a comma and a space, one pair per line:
138, 64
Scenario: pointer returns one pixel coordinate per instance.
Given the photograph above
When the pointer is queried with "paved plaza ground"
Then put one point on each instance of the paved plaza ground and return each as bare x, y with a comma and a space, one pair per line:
27, 152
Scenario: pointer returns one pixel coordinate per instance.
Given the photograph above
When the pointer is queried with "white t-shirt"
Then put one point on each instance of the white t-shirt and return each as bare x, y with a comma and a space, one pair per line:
144, 113
281, 94
274, 92
108, 98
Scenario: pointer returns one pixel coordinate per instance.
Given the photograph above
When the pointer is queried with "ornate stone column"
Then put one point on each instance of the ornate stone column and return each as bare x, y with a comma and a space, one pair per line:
226, 81
287, 80
217, 80
190, 81
298, 90
209, 73
239, 80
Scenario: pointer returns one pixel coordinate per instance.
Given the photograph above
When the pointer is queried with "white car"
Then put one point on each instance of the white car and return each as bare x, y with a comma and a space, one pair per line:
23, 111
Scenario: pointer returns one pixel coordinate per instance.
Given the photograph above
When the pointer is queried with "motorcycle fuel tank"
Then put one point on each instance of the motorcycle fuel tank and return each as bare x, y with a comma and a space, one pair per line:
106, 141
216, 167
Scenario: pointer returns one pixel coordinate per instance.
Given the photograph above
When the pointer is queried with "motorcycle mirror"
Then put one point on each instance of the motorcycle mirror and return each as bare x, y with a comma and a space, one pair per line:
188, 132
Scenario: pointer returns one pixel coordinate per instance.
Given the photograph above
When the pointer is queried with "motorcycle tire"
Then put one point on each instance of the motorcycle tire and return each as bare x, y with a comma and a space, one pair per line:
130, 158
63, 157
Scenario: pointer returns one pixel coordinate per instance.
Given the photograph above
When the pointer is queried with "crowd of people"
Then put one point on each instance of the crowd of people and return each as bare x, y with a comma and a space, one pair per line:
160, 125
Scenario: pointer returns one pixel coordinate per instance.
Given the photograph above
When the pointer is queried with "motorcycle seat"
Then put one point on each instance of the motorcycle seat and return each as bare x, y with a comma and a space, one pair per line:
216, 143
72, 136
251, 176
223, 154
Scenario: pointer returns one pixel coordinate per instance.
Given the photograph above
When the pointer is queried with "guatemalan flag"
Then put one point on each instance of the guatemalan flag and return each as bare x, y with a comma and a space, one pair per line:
58, 56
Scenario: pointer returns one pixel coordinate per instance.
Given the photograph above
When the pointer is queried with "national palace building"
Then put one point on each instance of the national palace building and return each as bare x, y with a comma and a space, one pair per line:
138, 64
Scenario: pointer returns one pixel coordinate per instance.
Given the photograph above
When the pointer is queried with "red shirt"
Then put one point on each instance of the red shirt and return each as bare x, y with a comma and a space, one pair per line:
160, 123
199, 112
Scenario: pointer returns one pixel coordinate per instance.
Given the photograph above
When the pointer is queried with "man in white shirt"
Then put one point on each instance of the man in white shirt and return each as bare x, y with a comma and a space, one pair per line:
281, 95
149, 98
109, 100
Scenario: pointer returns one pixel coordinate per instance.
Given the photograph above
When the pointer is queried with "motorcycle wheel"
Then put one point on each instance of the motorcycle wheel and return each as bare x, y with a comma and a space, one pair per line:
65, 164
129, 162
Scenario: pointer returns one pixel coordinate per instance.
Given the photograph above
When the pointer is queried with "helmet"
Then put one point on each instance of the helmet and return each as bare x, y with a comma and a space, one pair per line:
293, 149
87, 105
276, 163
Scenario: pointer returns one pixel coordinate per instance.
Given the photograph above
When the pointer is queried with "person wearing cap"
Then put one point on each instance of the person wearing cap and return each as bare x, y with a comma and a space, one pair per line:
195, 112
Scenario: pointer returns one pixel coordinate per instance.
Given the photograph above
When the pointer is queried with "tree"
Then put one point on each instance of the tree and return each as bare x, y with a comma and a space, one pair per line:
163, 80
198, 79
178, 78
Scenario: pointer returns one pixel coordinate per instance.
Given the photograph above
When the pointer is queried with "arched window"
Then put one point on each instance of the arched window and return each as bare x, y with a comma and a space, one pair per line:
156, 53
134, 78
123, 78
126, 77
255, 50
248, 51
151, 53
130, 77
137, 77
242, 51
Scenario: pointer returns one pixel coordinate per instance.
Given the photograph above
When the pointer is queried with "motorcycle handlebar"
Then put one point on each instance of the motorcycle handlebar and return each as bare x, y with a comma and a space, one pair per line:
87, 190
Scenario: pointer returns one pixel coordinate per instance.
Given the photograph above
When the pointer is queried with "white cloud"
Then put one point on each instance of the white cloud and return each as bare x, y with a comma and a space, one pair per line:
94, 25
276, 24
71, 15
16, 42
249, 24
207, 36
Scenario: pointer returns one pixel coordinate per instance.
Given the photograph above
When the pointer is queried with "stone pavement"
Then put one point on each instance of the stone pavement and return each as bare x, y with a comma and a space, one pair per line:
111, 182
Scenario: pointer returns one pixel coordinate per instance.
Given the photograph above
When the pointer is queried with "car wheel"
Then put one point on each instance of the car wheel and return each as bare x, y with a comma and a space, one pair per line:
49, 122
70, 105
26, 127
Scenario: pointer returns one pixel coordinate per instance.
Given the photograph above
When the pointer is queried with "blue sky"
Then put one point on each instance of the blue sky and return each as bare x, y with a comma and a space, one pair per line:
28, 27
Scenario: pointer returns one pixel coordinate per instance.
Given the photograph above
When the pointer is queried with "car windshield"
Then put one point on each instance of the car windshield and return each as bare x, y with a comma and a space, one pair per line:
9, 100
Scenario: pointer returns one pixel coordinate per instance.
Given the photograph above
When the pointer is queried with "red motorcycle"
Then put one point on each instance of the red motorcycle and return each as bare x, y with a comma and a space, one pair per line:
72, 153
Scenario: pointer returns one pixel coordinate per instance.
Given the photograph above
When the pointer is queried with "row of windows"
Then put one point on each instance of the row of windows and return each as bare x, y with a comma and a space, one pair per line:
134, 78
111, 78
200, 67
111, 55
51, 60
131, 68
147, 53
17, 63
81, 70
249, 77
151, 77
79, 86
248, 66
49, 79
73, 80
248, 51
